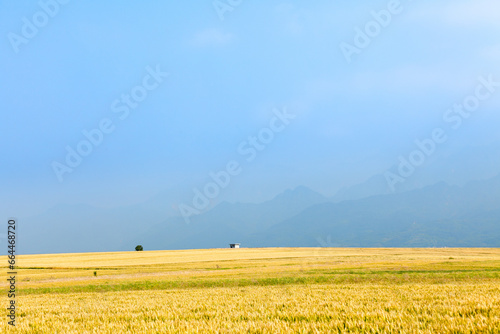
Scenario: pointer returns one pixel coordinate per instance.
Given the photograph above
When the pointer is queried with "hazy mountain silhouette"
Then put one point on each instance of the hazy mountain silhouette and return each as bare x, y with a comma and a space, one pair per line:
228, 222
453, 167
440, 215
435, 216
82, 228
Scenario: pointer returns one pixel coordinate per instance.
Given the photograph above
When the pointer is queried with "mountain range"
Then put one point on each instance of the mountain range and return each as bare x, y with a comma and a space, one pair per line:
439, 215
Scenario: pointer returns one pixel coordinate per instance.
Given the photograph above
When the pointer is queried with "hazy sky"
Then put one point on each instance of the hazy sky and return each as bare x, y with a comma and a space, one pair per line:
71, 70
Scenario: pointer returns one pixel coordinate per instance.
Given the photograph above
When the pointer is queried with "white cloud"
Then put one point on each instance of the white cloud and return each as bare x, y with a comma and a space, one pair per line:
460, 13
408, 79
484, 12
292, 19
411, 80
212, 37
490, 53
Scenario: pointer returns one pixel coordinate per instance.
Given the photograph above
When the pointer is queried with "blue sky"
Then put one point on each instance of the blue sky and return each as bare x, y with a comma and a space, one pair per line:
225, 79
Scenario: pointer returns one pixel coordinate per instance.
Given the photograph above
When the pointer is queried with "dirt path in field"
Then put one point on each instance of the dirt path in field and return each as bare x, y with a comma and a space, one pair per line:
117, 276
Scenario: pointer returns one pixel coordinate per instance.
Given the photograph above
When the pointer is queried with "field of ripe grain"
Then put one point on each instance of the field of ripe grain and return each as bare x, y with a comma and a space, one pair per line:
308, 290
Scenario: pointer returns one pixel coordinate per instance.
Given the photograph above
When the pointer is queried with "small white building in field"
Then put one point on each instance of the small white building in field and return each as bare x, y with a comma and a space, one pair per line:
234, 245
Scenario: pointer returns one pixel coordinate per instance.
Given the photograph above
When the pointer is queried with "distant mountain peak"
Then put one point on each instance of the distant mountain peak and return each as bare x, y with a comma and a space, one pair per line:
300, 192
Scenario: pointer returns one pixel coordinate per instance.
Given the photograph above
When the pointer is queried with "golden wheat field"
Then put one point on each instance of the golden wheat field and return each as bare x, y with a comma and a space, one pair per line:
276, 290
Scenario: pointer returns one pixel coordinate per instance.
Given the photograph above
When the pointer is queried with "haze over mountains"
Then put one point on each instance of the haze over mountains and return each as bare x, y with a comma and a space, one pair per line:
424, 211
109, 126
438, 215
